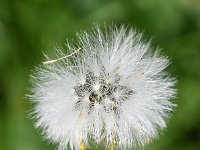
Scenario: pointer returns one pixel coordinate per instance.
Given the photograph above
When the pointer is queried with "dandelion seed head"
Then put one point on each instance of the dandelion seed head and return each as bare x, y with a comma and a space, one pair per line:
114, 89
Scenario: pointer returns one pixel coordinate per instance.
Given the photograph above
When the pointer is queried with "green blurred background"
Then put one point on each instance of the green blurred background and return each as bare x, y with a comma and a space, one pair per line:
28, 27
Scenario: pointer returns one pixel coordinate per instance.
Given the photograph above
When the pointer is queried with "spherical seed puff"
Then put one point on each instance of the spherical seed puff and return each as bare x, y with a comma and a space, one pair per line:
113, 87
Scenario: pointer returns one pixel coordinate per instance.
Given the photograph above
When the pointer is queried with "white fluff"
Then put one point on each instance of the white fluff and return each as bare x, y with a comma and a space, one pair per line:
115, 90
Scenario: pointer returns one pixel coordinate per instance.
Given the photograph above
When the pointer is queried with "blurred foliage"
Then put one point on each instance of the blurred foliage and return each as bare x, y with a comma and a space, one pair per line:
28, 27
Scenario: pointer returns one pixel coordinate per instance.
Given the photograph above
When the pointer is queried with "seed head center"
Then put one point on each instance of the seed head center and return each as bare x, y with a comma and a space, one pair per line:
104, 94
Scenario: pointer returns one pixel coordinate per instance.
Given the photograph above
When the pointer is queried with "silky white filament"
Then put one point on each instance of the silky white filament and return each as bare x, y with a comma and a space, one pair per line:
64, 57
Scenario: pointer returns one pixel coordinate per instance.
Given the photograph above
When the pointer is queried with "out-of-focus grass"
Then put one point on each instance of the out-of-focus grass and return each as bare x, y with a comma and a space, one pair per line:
28, 27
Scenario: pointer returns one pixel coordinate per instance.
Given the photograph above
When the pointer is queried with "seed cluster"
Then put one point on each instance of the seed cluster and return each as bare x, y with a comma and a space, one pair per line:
104, 95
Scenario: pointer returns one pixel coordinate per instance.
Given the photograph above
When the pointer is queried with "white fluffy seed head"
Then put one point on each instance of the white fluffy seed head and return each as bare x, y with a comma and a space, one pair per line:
115, 90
